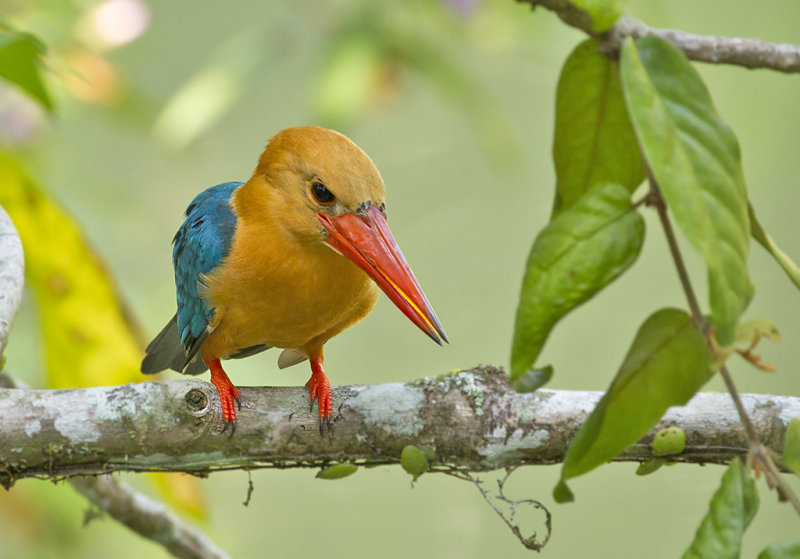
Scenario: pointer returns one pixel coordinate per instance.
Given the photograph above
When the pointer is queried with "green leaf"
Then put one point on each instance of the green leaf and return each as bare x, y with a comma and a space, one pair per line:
791, 446
649, 466
671, 440
575, 256
604, 12
20, 61
562, 493
414, 461
732, 508
787, 549
666, 364
769, 245
594, 140
694, 157
337, 471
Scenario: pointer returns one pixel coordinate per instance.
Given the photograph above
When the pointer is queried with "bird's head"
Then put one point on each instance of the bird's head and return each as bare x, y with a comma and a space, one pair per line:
326, 191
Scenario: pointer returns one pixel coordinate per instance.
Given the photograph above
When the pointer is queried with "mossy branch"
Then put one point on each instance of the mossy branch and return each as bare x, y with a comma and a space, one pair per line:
472, 419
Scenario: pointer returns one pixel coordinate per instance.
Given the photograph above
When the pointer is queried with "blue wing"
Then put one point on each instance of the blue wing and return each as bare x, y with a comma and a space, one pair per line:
200, 244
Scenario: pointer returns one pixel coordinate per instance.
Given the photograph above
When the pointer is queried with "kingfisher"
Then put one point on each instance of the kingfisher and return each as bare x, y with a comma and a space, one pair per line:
288, 259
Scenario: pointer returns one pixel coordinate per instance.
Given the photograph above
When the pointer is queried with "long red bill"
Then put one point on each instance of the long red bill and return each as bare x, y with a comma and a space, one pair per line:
368, 242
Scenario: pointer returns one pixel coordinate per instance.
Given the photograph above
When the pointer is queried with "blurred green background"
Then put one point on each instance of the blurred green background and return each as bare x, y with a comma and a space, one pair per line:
454, 102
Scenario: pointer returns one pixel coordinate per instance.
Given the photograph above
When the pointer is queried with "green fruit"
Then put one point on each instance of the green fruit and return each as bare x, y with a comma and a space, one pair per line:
414, 461
337, 471
671, 440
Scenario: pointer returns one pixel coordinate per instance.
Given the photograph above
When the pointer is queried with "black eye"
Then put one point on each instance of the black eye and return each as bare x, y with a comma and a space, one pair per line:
321, 194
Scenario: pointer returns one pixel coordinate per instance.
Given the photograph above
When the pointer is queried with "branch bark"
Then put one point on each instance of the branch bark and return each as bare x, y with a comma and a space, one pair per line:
749, 53
12, 276
147, 517
472, 419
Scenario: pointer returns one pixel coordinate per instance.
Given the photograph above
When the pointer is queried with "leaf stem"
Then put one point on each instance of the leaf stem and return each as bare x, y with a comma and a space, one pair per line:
656, 200
761, 453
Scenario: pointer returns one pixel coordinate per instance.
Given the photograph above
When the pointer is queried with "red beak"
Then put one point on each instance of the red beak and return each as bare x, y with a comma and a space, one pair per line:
367, 241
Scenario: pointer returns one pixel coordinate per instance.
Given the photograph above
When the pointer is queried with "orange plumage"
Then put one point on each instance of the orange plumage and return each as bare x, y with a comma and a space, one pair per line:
295, 256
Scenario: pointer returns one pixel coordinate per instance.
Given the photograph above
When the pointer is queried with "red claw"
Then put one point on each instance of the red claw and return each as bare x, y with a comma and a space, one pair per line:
320, 389
227, 393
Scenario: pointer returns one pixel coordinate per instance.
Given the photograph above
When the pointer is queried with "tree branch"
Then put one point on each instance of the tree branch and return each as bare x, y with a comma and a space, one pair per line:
472, 419
147, 517
749, 53
12, 276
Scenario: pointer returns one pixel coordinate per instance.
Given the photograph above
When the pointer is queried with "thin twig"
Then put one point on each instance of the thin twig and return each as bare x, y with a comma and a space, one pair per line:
529, 542
762, 454
147, 517
657, 201
748, 53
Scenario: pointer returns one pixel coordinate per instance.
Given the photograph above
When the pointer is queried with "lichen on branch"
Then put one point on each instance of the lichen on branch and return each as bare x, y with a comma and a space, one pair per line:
472, 419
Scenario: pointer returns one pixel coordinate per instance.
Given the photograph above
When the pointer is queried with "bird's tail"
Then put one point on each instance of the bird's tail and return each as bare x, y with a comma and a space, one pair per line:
166, 352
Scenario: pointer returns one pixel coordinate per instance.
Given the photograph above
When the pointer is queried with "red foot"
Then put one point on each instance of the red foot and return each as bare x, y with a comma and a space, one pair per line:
227, 393
320, 388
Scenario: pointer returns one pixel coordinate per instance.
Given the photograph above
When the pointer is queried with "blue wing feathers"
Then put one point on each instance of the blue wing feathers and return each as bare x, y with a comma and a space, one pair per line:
201, 243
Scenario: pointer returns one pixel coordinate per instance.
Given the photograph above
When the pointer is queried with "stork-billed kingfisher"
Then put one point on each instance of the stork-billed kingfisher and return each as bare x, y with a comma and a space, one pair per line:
288, 259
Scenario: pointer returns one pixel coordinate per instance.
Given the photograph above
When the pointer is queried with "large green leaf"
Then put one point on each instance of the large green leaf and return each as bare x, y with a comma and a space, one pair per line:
732, 508
594, 140
769, 245
576, 255
694, 156
604, 12
20, 58
667, 363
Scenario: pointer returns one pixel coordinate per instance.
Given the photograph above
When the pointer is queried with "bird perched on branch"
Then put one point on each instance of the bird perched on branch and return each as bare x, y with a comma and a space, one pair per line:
288, 259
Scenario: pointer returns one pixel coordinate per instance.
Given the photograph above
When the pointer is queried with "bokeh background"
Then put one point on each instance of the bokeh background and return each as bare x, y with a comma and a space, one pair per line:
454, 101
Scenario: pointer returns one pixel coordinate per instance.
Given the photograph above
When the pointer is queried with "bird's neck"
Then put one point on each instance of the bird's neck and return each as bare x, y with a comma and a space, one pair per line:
251, 200
265, 212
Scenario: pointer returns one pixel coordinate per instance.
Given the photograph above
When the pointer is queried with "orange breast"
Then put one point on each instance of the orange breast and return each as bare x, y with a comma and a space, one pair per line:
274, 289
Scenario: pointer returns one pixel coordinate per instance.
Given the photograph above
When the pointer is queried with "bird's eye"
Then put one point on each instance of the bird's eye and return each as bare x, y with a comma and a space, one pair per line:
321, 194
